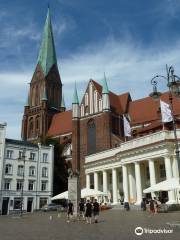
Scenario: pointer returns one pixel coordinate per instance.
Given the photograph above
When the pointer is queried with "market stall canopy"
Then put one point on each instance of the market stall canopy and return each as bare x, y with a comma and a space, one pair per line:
166, 185
85, 192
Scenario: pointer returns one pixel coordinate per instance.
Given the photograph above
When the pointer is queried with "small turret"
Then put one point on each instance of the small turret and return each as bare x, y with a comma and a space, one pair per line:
75, 104
44, 96
63, 106
105, 95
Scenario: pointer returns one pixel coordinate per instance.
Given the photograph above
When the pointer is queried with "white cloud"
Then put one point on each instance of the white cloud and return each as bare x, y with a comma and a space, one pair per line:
128, 67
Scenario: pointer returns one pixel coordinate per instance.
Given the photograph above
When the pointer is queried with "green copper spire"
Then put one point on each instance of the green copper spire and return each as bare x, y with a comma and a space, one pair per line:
63, 102
44, 96
105, 86
75, 96
47, 53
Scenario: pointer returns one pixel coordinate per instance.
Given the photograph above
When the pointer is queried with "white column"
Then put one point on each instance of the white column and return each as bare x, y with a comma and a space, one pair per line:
138, 183
132, 184
169, 175
114, 185
96, 180
87, 180
105, 186
175, 167
152, 175
125, 183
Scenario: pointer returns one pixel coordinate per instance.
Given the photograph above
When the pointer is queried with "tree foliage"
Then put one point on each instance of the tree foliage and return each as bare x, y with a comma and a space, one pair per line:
60, 181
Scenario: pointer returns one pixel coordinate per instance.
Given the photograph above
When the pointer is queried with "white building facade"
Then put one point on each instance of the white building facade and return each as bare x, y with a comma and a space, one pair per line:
26, 175
124, 172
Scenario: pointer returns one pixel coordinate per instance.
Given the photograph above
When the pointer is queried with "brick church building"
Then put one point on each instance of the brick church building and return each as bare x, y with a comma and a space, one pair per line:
93, 125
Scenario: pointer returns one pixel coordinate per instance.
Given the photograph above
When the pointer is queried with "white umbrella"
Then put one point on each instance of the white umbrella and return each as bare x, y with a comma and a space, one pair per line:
88, 192
169, 184
63, 195
85, 192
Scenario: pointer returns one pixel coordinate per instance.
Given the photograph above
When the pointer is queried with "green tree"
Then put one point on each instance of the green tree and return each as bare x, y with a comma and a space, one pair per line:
60, 181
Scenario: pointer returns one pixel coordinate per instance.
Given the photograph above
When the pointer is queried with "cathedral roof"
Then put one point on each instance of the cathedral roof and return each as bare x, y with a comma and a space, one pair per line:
61, 124
47, 53
144, 113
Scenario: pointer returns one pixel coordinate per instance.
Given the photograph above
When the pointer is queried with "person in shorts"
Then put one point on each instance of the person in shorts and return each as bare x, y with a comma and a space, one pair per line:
96, 210
70, 209
88, 212
81, 209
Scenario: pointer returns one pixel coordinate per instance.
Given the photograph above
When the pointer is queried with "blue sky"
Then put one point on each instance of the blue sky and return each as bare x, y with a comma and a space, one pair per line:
130, 40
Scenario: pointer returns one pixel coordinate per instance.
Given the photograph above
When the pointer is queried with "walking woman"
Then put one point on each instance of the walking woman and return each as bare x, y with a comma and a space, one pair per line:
151, 206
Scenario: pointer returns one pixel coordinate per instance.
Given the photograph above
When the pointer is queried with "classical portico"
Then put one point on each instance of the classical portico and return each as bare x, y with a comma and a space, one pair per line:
134, 166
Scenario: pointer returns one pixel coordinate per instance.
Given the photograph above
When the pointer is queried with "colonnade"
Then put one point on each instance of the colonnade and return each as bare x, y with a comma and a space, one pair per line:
133, 179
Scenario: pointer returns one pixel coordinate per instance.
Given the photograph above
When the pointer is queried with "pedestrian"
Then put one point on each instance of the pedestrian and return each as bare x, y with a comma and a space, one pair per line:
88, 212
151, 206
156, 205
96, 210
81, 209
143, 204
70, 209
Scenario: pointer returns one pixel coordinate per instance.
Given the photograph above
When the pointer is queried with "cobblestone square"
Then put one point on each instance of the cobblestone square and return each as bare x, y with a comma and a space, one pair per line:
113, 224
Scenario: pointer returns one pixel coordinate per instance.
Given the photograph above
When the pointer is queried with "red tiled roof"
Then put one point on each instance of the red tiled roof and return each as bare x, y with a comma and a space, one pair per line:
147, 110
61, 124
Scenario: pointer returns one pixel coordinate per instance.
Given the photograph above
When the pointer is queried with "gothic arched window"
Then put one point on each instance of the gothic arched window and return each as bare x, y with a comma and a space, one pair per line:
91, 137
37, 123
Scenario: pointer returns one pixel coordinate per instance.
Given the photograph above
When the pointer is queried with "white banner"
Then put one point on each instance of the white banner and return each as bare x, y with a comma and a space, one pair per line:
166, 113
127, 127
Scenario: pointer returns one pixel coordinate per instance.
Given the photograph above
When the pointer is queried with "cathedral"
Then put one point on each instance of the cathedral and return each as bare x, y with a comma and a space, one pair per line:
95, 124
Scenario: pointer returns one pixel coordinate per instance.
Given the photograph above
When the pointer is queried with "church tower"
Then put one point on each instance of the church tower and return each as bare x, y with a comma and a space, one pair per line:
45, 93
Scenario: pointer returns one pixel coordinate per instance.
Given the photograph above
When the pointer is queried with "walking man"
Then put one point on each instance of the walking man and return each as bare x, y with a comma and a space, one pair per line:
81, 209
96, 210
70, 210
88, 212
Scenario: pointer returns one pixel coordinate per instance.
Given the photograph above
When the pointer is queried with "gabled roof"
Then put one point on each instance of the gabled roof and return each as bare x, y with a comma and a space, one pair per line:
61, 124
115, 100
47, 53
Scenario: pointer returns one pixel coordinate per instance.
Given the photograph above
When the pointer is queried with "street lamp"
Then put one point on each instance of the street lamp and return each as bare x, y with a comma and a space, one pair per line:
173, 83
